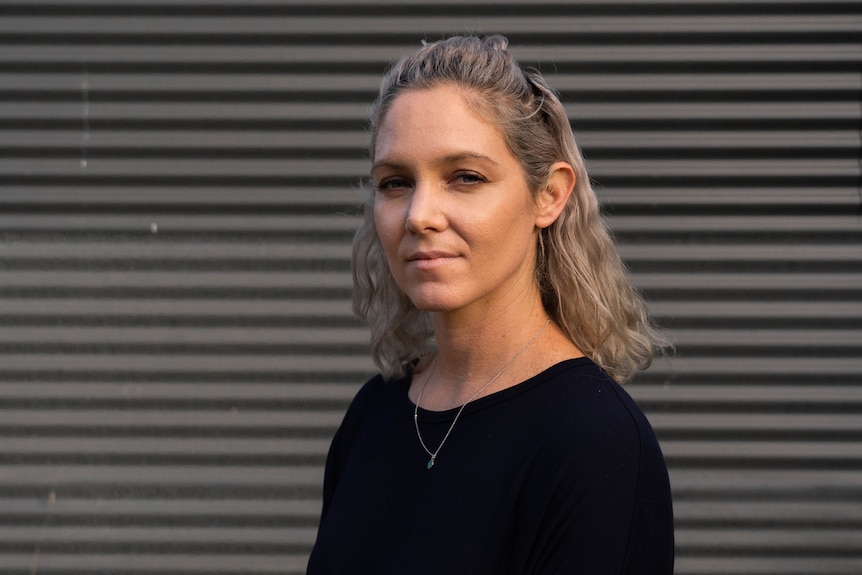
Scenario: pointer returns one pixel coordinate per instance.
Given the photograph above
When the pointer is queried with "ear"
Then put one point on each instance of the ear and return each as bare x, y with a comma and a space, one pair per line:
551, 201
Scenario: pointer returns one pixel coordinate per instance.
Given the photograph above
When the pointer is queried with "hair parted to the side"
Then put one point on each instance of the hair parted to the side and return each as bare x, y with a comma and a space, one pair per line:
584, 285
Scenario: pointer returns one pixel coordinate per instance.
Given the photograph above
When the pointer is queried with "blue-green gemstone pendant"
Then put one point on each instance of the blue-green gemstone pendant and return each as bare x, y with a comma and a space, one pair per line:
430, 463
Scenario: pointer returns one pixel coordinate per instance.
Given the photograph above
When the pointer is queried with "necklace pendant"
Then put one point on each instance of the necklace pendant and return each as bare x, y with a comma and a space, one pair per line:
430, 463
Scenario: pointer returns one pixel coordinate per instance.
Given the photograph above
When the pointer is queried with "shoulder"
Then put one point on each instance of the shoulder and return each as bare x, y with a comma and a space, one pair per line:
578, 396
373, 396
587, 416
373, 390
367, 402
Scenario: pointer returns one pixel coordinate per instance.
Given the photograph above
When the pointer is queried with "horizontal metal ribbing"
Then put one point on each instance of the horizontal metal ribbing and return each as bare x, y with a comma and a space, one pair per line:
179, 186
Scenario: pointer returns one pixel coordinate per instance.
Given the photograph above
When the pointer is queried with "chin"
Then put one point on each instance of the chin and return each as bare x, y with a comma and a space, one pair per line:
429, 306
432, 302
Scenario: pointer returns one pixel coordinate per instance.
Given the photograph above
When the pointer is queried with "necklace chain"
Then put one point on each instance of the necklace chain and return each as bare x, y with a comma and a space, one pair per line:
433, 454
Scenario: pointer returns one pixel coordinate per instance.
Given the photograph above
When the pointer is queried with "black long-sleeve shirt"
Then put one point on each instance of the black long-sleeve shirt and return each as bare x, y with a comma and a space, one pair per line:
561, 473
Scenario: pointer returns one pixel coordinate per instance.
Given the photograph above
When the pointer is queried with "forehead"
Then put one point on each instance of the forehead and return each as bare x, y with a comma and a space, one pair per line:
435, 120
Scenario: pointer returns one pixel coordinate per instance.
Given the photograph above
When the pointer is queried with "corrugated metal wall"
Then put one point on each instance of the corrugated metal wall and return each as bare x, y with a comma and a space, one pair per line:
176, 189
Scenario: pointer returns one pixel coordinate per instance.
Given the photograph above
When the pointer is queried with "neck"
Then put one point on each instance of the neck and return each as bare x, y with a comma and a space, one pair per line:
472, 351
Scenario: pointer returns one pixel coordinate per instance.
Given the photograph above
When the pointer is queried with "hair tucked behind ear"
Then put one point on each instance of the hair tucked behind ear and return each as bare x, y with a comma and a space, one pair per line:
584, 285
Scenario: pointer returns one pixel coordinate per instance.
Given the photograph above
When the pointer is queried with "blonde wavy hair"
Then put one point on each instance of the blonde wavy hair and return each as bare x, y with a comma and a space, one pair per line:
584, 285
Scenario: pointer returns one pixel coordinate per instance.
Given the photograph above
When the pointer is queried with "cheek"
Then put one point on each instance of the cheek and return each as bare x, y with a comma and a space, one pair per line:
506, 223
386, 222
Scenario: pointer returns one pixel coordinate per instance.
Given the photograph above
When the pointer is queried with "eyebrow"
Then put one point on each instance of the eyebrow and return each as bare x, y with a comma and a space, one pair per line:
450, 159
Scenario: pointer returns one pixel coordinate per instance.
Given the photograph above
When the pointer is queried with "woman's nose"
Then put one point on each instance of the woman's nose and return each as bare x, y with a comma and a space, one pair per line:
425, 212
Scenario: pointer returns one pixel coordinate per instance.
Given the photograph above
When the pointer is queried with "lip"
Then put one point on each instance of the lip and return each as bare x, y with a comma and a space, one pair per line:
426, 260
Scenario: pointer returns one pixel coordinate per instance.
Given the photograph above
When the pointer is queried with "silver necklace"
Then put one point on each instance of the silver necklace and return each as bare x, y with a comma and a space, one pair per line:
433, 454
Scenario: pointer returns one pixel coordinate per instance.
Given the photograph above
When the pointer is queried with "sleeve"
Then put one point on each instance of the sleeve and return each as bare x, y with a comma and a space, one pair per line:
340, 446
601, 509
330, 472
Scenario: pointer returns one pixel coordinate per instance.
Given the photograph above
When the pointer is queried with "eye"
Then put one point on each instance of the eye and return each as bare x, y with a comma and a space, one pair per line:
392, 184
469, 178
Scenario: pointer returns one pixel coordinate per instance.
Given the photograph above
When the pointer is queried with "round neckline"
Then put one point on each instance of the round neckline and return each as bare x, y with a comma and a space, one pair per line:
495, 397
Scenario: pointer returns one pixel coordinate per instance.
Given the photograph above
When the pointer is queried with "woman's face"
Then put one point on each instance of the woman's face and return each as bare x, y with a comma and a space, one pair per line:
451, 205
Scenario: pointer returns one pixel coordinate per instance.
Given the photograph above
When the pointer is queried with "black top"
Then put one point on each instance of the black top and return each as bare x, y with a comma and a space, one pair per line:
559, 474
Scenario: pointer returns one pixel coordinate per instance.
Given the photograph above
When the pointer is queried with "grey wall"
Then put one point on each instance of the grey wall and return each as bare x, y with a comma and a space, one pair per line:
176, 189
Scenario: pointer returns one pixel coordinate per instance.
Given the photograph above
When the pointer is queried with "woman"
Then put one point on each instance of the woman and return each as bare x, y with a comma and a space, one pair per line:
496, 439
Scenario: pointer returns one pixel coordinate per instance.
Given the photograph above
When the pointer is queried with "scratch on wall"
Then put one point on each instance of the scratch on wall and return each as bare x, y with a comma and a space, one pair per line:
85, 115
37, 550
